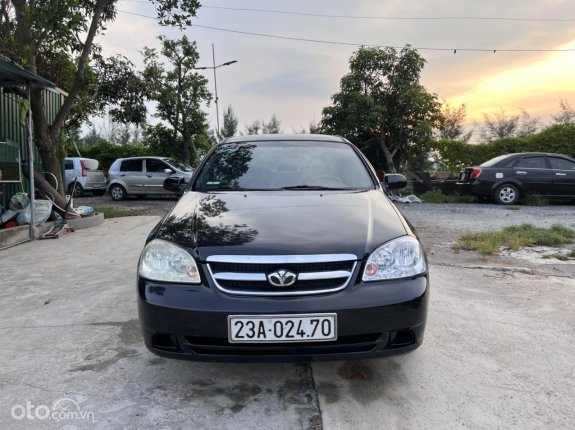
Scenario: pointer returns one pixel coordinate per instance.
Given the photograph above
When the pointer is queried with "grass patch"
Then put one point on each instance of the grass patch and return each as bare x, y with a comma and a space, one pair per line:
512, 208
514, 238
115, 213
535, 200
439, 197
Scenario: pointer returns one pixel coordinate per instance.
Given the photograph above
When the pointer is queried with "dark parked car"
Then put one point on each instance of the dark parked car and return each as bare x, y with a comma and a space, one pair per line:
508, 178
283, 247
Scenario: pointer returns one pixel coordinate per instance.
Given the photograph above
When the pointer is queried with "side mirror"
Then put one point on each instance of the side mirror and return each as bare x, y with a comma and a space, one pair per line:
175, 184
170, 171
394, 181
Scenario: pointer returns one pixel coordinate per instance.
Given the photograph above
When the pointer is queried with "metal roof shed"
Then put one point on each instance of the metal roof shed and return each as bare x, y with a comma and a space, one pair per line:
13, 75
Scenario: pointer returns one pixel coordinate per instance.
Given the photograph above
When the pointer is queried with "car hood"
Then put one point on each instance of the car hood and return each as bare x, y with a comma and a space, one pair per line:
282, 223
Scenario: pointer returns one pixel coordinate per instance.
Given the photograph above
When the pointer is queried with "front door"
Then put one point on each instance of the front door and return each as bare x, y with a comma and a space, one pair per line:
533, 173
563, 176
156, 175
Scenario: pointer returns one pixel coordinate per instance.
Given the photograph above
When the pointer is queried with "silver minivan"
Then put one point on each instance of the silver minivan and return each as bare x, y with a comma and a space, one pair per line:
89, 176
143, 176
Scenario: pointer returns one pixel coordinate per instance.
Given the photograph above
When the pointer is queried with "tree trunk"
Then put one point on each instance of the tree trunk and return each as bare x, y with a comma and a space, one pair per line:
387, 154
46, 139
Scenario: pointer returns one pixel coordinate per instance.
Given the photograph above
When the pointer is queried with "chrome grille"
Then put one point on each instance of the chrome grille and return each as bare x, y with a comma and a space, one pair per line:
247, 275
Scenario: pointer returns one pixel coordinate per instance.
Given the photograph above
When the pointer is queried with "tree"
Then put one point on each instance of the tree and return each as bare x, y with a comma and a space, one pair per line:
230, 124
56, 39
262, 127
500, 125
179, 92
254, 128
272, 127
566, 114
382, 103
452, 124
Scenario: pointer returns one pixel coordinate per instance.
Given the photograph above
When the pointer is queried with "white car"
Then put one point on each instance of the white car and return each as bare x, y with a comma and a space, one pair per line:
89, 176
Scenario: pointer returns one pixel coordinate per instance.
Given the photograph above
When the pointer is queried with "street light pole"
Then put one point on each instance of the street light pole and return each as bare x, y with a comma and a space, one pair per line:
214, 67
216, 90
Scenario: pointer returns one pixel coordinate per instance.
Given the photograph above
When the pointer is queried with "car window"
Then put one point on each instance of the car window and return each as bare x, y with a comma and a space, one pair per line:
561, 163
494, 161
154, 165
131, 165
179, 165
91, 164
69, 165
532, 163
277, 164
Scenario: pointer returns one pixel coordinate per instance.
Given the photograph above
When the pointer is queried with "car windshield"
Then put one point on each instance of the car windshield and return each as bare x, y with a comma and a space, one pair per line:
300, 165
179, 165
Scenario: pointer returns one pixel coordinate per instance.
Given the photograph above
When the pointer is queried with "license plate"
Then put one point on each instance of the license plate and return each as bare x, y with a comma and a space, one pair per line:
282, 328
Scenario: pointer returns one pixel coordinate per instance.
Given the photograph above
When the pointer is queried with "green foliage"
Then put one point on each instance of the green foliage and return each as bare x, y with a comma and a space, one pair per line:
439, 197
230, 124
535, 200
515, 237
382, 104
263, 127
115, 213
455, 155
57, 40
106, 152
179, 92
452, 123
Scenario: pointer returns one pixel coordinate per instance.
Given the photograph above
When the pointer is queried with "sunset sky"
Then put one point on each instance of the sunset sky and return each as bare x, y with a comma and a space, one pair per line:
295, 79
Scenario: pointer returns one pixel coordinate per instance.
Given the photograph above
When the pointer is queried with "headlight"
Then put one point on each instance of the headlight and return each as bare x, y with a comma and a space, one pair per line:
400, 258
164, 261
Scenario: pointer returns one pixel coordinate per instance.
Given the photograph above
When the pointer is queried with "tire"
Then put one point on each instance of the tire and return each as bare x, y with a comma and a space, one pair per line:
75, 191
506, 194
117, 192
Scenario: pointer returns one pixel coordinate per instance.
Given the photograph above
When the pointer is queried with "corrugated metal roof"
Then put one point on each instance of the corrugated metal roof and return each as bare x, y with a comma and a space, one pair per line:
13, 75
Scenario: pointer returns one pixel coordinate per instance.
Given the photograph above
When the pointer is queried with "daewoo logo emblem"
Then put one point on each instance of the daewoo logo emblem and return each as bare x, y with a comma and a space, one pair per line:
282, 278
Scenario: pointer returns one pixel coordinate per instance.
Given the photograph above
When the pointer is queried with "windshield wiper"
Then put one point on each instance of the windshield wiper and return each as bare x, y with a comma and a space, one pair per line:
222, 188
312, 187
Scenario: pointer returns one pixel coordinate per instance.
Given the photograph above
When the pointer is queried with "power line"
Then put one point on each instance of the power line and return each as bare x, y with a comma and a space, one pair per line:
390, 18
334, 42
401, 18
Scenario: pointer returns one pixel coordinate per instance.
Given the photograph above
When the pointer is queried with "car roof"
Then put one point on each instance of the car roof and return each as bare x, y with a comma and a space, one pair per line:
550, 154
144, 156
284, 137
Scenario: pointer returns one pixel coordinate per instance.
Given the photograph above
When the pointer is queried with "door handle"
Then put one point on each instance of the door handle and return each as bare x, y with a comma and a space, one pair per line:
148, 176
560, 174
520, 172
122, 174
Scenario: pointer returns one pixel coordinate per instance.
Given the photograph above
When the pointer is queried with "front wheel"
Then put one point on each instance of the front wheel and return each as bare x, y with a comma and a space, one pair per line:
117, 192
507, 194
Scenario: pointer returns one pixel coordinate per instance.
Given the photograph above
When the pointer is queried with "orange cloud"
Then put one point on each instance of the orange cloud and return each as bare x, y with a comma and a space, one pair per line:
536, 87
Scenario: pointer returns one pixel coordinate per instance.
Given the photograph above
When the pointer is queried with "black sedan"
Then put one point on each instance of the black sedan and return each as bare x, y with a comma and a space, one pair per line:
283, 247
508, 178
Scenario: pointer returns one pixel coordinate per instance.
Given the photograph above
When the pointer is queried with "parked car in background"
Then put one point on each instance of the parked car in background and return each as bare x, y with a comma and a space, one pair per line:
89, 176
143, 176
283, 248
508, 178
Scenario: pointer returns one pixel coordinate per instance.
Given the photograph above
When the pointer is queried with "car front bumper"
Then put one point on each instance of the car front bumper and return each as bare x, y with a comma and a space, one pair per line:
373, 319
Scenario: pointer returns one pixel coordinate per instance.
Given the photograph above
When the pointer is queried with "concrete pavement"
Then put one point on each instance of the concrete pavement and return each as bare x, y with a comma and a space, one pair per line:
498, 354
